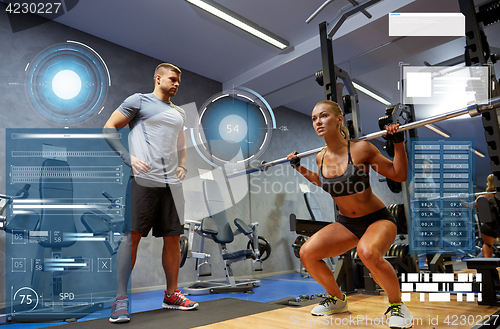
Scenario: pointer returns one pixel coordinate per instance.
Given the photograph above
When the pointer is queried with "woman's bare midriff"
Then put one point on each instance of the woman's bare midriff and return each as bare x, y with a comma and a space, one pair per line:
359, 204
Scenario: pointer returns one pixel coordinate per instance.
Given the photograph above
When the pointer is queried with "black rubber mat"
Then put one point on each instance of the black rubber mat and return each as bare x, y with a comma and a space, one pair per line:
207, 313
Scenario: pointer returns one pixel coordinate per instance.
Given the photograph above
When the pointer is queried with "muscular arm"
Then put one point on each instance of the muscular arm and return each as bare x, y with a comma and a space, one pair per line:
181, 154
311, 176
117, 121
397, 170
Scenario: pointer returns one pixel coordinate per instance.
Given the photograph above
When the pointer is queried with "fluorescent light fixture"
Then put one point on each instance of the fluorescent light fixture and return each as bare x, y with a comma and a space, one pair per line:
371, 94
441, 132
437, 130
479, 153
239, 21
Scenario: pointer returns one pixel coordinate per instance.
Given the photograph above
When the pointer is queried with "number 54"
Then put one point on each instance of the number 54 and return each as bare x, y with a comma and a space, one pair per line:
229, 130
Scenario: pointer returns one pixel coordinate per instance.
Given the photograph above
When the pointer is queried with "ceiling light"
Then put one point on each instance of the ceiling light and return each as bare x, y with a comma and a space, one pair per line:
371, 94
441, 132
239, 21
437, 130
479, 153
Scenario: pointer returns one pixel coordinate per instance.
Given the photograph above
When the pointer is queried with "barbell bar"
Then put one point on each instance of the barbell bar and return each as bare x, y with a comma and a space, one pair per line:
473, 110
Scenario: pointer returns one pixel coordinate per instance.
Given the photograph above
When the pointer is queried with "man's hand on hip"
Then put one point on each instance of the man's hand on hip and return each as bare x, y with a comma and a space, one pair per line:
181, 173
139, 166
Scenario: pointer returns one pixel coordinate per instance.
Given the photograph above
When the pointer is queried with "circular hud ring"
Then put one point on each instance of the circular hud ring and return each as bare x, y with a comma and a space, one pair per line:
67, 83
234, 127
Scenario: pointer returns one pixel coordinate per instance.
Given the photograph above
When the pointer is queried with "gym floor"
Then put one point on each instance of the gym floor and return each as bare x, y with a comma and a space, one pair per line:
368, 310
273, 288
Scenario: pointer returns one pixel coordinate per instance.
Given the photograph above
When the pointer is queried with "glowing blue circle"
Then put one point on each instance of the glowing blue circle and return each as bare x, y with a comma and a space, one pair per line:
66, 84
94, 83
233, 128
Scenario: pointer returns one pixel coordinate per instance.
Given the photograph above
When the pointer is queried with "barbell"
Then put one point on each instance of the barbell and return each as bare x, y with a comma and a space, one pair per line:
472, 110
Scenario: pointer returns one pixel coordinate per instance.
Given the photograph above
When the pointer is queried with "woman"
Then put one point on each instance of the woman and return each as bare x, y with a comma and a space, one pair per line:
488, 232
364, 221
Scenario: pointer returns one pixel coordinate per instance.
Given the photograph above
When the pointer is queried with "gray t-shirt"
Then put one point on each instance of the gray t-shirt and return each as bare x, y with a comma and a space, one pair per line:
154, 128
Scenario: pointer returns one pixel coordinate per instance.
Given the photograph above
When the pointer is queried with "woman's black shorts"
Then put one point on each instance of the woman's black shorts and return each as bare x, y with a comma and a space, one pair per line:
359, 225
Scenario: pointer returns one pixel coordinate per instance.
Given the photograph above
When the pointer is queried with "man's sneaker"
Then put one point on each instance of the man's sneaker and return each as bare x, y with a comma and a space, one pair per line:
119, 310
178, 301
400, 316
330, 305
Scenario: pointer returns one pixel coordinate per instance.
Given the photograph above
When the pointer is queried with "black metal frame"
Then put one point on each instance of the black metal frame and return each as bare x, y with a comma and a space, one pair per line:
477, 53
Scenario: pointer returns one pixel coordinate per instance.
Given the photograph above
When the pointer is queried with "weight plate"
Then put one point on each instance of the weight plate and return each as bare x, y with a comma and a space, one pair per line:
299, 241
392, 250
389, 148
265, 247
393, 209
400, 251
395, 187
406, 250
388, 253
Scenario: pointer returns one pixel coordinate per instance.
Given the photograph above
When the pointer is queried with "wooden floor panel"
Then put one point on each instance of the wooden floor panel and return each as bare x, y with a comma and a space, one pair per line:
366, 311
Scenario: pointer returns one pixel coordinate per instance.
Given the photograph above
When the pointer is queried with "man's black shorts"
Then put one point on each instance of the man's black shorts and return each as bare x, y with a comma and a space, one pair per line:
156, 206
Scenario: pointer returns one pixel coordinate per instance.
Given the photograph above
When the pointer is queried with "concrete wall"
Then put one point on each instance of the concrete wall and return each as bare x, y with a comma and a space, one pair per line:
131, 72
272, 195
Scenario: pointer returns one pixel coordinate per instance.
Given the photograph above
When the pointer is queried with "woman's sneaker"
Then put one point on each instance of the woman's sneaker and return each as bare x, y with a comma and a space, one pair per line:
330, 305
400, 316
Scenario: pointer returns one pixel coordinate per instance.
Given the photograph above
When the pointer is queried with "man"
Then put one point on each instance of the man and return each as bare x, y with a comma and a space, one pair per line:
158, 161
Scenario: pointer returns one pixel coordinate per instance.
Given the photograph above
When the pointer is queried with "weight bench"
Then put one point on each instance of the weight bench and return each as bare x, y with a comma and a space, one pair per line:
490, 281
217, 228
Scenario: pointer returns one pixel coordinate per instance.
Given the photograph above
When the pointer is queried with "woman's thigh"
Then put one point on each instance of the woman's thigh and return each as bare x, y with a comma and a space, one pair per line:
332, 240
377, 239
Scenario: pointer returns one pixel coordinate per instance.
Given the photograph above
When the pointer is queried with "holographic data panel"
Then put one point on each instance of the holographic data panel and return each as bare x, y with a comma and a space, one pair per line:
442, 196
62, 239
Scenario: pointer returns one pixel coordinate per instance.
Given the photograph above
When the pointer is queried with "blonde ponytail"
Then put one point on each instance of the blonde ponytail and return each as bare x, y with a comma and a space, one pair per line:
344, 131
490, 183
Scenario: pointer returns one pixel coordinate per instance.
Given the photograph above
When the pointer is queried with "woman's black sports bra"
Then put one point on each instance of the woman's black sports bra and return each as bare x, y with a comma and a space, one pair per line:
350, 182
